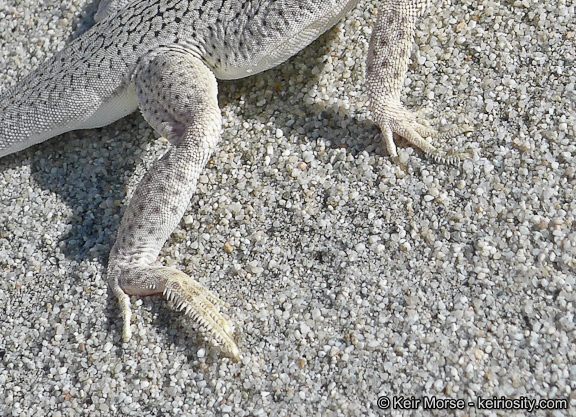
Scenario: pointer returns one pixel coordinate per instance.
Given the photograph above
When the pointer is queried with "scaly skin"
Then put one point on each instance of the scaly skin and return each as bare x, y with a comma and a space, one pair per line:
163, 57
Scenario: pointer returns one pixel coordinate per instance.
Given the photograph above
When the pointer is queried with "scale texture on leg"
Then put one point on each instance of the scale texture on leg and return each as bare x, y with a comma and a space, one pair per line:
163, 57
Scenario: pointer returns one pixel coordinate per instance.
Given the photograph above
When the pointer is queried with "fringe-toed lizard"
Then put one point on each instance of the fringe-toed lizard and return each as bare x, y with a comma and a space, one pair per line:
163, 57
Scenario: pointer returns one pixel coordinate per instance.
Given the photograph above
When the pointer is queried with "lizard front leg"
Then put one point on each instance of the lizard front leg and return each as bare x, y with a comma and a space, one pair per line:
386, 65
177, 95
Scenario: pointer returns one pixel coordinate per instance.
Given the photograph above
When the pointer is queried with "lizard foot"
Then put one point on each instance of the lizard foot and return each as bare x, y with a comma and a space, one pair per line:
198, 303
185, 293
406, 124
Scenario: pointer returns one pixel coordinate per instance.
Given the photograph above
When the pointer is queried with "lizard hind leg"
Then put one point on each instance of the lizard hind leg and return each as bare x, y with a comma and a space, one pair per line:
386, 65
177, 95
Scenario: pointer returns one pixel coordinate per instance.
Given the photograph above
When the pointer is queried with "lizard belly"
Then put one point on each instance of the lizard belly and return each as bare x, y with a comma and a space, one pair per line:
113, 109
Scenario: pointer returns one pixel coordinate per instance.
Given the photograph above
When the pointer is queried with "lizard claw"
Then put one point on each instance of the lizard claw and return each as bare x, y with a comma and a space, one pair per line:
185, 293
198, 303
395, 119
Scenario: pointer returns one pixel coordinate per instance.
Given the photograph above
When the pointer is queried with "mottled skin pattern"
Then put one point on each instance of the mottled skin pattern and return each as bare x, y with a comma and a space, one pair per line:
164, 56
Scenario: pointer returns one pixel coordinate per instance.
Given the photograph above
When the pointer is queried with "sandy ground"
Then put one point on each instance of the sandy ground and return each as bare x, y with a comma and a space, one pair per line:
351, 280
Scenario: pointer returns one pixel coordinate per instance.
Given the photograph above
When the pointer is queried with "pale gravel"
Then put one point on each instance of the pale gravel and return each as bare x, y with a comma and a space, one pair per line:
347, 277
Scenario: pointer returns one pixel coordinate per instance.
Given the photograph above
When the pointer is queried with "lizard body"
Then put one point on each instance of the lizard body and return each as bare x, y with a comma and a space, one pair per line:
164, 57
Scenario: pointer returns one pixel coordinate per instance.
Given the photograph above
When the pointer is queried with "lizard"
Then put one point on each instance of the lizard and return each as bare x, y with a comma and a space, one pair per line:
164, 57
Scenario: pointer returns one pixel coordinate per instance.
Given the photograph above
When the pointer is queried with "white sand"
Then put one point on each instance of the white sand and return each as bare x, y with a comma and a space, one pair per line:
349, 278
